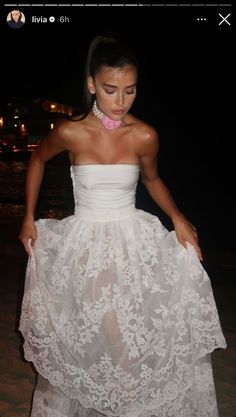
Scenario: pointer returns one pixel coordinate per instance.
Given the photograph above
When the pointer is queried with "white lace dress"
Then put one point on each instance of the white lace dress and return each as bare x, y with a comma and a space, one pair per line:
118, 318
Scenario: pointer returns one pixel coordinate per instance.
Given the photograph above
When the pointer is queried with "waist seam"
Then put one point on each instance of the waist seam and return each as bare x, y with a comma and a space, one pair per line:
104, 214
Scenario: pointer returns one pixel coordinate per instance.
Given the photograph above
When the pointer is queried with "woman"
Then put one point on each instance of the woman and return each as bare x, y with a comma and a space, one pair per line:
118, 314
16, 19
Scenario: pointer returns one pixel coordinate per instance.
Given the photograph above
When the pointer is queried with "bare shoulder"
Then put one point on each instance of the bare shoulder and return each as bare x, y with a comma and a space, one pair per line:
146, 136
65, 129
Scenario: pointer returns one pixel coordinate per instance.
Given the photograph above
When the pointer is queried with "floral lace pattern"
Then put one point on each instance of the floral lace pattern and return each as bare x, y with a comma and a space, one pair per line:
198, 400
120, 319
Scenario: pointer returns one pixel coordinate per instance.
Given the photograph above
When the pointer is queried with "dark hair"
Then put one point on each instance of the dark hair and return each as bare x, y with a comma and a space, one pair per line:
104, 51
20, 17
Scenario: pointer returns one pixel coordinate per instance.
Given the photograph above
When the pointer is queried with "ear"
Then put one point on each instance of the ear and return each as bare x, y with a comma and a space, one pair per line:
90, 85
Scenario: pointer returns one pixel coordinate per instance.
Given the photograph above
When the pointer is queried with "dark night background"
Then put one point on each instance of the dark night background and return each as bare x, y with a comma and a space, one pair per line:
184, 90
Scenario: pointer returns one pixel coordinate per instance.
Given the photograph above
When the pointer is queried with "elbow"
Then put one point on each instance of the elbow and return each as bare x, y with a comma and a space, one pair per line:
147, 184
144, 181
152, 185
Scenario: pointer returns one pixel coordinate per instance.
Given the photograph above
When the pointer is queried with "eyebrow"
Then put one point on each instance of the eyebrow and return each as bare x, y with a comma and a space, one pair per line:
114, 86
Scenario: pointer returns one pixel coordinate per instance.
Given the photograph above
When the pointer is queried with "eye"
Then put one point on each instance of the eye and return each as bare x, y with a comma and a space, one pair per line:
130, 92
109, 91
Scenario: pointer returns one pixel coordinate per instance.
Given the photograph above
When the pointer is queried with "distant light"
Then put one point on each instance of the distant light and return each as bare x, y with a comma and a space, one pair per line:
16, 117
1, 122
15, 125
51, 126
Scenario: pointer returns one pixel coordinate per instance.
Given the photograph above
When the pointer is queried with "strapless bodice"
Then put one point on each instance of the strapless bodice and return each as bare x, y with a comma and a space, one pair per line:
103, 192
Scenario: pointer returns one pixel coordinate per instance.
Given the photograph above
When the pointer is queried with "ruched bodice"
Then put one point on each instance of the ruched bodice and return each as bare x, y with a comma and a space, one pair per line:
104, 191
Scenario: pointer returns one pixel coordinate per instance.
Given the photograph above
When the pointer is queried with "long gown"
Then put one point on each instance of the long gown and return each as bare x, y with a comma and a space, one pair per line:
118, 318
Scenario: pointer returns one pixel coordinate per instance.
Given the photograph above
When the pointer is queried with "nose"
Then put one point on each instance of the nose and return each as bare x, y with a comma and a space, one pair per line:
120, 99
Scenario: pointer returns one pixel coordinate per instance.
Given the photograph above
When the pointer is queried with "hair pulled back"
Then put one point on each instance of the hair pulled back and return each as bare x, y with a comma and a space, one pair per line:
105, 51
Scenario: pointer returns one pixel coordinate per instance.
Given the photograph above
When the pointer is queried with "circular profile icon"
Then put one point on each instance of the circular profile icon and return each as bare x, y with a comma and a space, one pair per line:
15, 19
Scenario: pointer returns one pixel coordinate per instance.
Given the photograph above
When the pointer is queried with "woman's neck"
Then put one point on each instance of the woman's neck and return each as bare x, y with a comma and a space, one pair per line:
106, 121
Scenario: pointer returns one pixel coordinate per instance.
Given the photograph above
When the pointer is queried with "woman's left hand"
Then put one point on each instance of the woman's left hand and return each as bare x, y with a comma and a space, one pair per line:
186, 232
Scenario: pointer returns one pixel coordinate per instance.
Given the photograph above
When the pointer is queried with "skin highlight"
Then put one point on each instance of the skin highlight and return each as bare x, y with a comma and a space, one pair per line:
88, 142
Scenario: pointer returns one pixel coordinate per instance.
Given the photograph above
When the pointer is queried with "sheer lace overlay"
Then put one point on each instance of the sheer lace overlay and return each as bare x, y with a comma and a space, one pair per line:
118, 317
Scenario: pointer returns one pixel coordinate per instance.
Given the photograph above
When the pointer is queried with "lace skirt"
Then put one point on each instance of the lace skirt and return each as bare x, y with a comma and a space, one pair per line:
119, 319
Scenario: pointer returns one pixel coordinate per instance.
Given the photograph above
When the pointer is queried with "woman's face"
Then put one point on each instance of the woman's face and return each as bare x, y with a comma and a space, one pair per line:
15, 15
115, 90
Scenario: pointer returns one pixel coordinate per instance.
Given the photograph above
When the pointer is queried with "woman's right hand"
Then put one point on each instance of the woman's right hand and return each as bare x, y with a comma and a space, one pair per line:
28, 235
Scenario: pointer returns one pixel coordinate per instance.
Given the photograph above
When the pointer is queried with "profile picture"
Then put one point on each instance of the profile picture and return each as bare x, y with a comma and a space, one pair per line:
15, 19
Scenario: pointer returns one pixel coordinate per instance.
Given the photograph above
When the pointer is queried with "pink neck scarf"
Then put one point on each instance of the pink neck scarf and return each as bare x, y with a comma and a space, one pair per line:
106, 121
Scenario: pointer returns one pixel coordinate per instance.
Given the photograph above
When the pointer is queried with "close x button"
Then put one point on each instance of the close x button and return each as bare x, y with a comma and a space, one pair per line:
224, 19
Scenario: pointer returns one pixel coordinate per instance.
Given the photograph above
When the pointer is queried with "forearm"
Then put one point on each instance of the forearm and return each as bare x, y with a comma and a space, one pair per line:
33, 182
162, 196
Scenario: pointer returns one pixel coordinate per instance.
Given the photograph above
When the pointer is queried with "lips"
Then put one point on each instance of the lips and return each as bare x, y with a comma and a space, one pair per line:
118, 112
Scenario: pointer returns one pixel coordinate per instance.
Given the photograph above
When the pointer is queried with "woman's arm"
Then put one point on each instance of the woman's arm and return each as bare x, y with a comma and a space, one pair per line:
185, 231
53, 145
